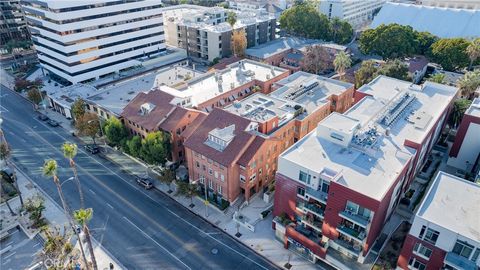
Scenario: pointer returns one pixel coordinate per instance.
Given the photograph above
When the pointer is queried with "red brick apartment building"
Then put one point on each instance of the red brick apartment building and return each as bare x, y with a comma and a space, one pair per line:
445, 233
153, 111
337, 186
234, 150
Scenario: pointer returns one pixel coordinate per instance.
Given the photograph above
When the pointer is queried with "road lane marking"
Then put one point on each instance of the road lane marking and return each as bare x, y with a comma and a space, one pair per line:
36, 244
6, 261
92, 192
146, 194
9, 255
158, 244
109, 205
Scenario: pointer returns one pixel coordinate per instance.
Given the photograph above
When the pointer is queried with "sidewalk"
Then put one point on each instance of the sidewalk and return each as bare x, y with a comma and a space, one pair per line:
56, 217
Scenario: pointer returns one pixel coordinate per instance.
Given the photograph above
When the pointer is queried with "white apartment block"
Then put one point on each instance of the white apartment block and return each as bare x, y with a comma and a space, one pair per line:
463, 4
206, 35
357, 12
84, 40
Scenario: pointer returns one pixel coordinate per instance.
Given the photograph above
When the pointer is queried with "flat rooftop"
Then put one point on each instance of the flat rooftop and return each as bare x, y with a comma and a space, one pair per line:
461, 197
373, 153
210, 85
261, 108
278, 46
309, 90
474, 109
115, 97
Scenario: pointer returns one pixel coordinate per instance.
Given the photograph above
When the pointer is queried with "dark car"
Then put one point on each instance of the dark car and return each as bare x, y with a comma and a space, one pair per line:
144, 181
53, 123
92, 148
43, 117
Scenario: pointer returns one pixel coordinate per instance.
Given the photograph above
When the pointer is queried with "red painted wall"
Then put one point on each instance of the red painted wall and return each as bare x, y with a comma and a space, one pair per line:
434, 263
285, 196
462, 131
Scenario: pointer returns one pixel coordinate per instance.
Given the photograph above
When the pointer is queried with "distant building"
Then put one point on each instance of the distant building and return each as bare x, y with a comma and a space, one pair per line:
288, 52
441, 22
465, 151
13, 25
274, 8
339, 185
206, 35
234, 151
80, 42
462, 4
445, 233
417, 67
357, 12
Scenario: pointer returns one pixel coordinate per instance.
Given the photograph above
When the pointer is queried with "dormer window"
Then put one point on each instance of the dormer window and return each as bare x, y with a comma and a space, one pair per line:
146, 108
220, 138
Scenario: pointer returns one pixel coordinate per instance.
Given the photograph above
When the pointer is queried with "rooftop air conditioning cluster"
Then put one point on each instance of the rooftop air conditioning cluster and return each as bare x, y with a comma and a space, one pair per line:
397, 107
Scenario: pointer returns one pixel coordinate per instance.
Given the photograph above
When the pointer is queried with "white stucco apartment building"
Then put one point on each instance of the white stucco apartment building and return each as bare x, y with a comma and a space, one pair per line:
357, 12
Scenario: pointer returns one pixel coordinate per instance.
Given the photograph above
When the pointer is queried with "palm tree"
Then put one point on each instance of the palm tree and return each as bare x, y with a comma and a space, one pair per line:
231, 19
459, 108
82, 216
342, 62
473, 51
336, 24
50, 169
469, 83
70, 151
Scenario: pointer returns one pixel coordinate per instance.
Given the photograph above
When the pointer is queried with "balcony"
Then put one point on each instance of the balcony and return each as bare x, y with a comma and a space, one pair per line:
354, 234
357, 219
346, 247
307, 238
317, 194
459, 262
314, 209
313, 223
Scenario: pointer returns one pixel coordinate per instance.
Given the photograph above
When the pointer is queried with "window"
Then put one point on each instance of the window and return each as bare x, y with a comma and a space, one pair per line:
210, 171
209, 161
431, 236
254, 165
304, 177
253, 177
463, 249
210, 184
216, 174
325, 186
352, 207
219, 189
197, 164
475, 255
242, 178
301, 191
422, 250
222, 177
414, 264
260, 172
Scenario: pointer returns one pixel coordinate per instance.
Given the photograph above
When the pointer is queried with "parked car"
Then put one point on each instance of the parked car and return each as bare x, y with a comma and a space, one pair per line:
92, 148
144, 181
43, 117
53, 123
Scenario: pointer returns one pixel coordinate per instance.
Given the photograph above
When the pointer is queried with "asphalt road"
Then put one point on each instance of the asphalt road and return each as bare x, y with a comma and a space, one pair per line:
142, 229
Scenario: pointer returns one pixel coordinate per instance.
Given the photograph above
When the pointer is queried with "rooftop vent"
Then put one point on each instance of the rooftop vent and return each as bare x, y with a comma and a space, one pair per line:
146, 108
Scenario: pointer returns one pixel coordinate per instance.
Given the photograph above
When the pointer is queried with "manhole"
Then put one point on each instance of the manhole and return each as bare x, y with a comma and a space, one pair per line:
214, 251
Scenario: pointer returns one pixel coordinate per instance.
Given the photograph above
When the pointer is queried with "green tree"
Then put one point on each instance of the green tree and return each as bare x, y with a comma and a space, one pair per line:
315, 59
340, 31
56, 248
155, 148
88, 125
34, 96
167, 177
459, 108
341, 63
473, 51
70, 151
437, 78
424, 42
239, 42
83, 216
35, 206
5, 155
187, 190
78, 108
389, 41
115, 131
304, 20
450, 53
50, 169
134, 146
469, 83
395, 69
365, 73
231, 18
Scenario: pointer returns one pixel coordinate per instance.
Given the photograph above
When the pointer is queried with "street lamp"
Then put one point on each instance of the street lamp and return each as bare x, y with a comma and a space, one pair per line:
69, 179
206, 199
101, 130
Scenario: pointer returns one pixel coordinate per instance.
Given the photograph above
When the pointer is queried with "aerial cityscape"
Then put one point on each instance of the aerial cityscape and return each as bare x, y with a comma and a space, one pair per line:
240, 134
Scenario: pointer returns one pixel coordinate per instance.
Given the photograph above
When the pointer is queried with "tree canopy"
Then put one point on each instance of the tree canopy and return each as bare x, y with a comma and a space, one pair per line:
34, 96
239, 42
78, 108
115, 131
473, 51
155, 147
88, 125
314, 59
365, 73
304, 20
469, 83
450, 53
340, 31
437, 78
395, 69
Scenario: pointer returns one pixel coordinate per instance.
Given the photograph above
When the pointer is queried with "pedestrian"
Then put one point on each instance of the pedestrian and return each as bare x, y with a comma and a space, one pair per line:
111, 266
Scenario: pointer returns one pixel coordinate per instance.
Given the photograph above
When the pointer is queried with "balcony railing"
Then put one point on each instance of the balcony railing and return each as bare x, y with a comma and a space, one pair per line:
314, 209
459, 262
315, 224
350, 247
317, 194
354, 234
360, 220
